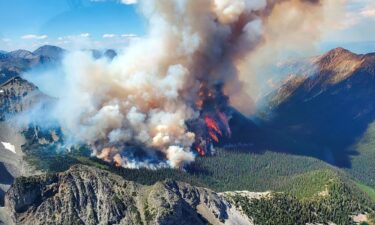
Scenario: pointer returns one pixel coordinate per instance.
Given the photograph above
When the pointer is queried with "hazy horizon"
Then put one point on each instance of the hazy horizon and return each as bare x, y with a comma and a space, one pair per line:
103, 24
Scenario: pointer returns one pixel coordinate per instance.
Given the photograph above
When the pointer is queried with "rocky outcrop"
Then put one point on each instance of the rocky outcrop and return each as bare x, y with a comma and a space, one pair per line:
86, 195
12, 163
16, 95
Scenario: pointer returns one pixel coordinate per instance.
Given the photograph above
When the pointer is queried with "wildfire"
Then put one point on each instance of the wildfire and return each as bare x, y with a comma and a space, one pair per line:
215, 127
200, 150
212, 125
213, 136
111, 155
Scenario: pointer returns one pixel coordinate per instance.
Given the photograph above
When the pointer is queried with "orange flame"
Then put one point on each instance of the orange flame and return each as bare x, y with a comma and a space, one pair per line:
212, 125
200, 150
213, 136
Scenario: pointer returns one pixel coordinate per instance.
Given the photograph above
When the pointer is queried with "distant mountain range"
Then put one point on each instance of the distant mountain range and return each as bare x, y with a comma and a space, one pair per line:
13, 63
17, 94
15, 91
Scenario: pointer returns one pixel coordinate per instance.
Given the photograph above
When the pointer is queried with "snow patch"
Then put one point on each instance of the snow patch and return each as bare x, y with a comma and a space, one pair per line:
9, 147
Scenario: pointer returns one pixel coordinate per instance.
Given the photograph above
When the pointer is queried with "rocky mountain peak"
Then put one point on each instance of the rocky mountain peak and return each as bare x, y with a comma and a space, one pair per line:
337, 65
337, 55
24, 54
49, 51
338, 51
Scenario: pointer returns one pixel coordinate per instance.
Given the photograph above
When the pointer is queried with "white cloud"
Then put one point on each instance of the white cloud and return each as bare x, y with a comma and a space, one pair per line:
368, 12
35, 37
109, 35
85, 35
74, 37
357, 13
129, 2
129, 35
358, 19
126, 2
76, 41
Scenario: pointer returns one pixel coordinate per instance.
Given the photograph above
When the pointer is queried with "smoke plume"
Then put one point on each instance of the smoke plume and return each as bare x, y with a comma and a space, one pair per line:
145, 95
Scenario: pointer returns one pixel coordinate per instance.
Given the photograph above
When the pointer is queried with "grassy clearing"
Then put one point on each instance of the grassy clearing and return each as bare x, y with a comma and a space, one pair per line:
368, 190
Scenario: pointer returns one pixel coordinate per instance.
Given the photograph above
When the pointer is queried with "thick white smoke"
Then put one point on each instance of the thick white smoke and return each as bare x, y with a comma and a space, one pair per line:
146, 94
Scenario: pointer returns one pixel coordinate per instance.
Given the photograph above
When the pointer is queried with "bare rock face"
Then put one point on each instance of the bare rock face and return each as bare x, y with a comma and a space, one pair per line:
17, 95
12, 163
86, 195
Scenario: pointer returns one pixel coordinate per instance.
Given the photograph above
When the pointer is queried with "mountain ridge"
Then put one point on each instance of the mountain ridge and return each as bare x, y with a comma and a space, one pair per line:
330, 107
86, 195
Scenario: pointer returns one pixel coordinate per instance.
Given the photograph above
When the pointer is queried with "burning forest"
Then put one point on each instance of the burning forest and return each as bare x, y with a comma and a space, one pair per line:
167, 97
213, 121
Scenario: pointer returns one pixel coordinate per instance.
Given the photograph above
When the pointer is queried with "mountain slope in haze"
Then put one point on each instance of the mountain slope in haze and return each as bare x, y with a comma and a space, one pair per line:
49, 52
52, 52
17, 95
23, 54
325, 112
14, 63
85, 195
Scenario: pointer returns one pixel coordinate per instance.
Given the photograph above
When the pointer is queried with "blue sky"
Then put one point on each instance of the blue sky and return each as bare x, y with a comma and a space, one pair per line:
28, 24
356, 30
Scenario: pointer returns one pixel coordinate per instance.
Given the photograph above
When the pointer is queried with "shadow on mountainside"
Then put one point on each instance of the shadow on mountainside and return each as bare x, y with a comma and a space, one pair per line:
323, 116
5, 179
